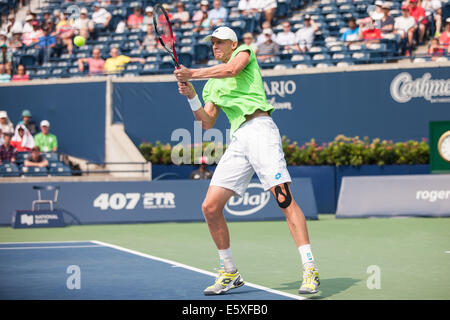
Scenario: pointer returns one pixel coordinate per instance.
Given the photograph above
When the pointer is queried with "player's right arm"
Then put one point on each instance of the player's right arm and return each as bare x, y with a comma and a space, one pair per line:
208, 114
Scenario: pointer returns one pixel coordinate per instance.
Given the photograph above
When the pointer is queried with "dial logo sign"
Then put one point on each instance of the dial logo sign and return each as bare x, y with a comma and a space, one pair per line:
253, 200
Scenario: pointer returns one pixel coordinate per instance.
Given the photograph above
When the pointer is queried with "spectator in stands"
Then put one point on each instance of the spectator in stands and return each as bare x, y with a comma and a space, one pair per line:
4, 75
83, 25
3, 39
405, 26
46, 17
268, 7
36, 159
34, 35
262, 38
46, 45
444, 38
116, 63
28, 122
22, 140
1, 136
201, 18
28, 27
16, 42
267, 49
433, 9
148, 18
56, 16
21, 74
65, 32
248, 7
418, 13
96, 63
435, 50
149, 41
8, 154
46, 141
286, 39
135, 19
218, 14
387, 21
202, 173
101, 17
12, 25
6, 124
351, 35
181, 17
305, 36
371, 34
378, 13
248, 40
6, 58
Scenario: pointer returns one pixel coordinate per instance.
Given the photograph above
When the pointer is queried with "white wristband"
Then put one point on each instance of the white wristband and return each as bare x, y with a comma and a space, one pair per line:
195, 103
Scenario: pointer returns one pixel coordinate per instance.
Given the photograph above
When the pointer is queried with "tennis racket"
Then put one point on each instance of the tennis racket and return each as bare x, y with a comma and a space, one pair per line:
163, 29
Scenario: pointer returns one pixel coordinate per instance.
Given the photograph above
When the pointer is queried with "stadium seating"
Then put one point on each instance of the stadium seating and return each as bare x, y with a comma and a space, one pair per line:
330, 15
17, 169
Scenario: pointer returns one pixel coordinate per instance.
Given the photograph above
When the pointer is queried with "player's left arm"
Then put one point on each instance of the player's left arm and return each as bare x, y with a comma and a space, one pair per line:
223, 70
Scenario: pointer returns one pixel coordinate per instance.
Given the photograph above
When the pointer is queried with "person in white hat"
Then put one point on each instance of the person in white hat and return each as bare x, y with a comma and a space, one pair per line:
83, 25
5, 124
46, 141
236, 87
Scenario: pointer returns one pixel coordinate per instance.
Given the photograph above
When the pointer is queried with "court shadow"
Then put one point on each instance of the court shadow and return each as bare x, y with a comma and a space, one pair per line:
328, 287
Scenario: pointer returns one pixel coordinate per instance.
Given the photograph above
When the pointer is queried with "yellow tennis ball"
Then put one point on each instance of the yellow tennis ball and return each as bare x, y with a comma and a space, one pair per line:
79, 41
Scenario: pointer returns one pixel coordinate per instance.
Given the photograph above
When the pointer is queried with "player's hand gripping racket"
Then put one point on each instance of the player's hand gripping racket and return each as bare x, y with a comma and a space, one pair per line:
163, 30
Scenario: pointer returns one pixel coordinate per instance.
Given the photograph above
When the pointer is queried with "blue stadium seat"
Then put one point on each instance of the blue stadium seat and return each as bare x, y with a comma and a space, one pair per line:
51, 156
34, 171
9, 170
28, 60
21, 157
60, 170
360, 57
201, 52
186, 57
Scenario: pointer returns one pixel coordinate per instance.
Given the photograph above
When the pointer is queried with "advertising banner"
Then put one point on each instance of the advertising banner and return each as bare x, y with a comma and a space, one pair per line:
390, 196
157, 201
395, 104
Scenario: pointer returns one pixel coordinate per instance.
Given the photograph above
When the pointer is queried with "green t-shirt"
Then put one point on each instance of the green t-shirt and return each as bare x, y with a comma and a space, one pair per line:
46, 142
240, 95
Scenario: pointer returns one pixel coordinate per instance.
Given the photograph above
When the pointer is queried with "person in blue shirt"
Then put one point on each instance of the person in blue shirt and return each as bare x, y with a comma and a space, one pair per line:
218, 15
47, 45
352, 33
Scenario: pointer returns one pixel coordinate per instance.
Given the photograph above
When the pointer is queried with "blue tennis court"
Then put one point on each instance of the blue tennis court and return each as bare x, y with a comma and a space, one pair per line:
98, 270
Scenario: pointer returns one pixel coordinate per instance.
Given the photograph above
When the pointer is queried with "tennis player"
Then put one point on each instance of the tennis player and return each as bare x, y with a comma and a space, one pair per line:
236, 87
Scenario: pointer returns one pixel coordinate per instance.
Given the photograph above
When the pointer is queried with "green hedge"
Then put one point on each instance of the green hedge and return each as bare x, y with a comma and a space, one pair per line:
341, 151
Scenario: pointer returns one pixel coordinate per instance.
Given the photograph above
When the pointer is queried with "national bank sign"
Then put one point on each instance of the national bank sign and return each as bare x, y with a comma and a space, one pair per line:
404, 88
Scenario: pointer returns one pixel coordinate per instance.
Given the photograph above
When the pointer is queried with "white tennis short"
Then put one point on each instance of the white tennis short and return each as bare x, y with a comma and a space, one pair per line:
255, 147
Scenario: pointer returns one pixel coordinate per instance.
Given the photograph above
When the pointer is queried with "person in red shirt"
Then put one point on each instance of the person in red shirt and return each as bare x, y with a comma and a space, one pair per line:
21, 74
135, 19
22, 140
371, 34
444, 39
418, 13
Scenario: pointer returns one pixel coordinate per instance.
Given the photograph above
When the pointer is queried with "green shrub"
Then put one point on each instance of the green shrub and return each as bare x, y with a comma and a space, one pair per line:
342, 151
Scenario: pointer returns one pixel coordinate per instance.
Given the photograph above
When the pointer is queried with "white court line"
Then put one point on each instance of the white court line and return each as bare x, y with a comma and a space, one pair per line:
28, 242
177, 264
447, 251
50, 247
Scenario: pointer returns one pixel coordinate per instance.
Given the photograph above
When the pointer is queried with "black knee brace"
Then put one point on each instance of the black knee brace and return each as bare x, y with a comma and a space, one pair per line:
287, 196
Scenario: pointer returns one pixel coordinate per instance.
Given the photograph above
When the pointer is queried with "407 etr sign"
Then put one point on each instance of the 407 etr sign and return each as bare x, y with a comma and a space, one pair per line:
129, 200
